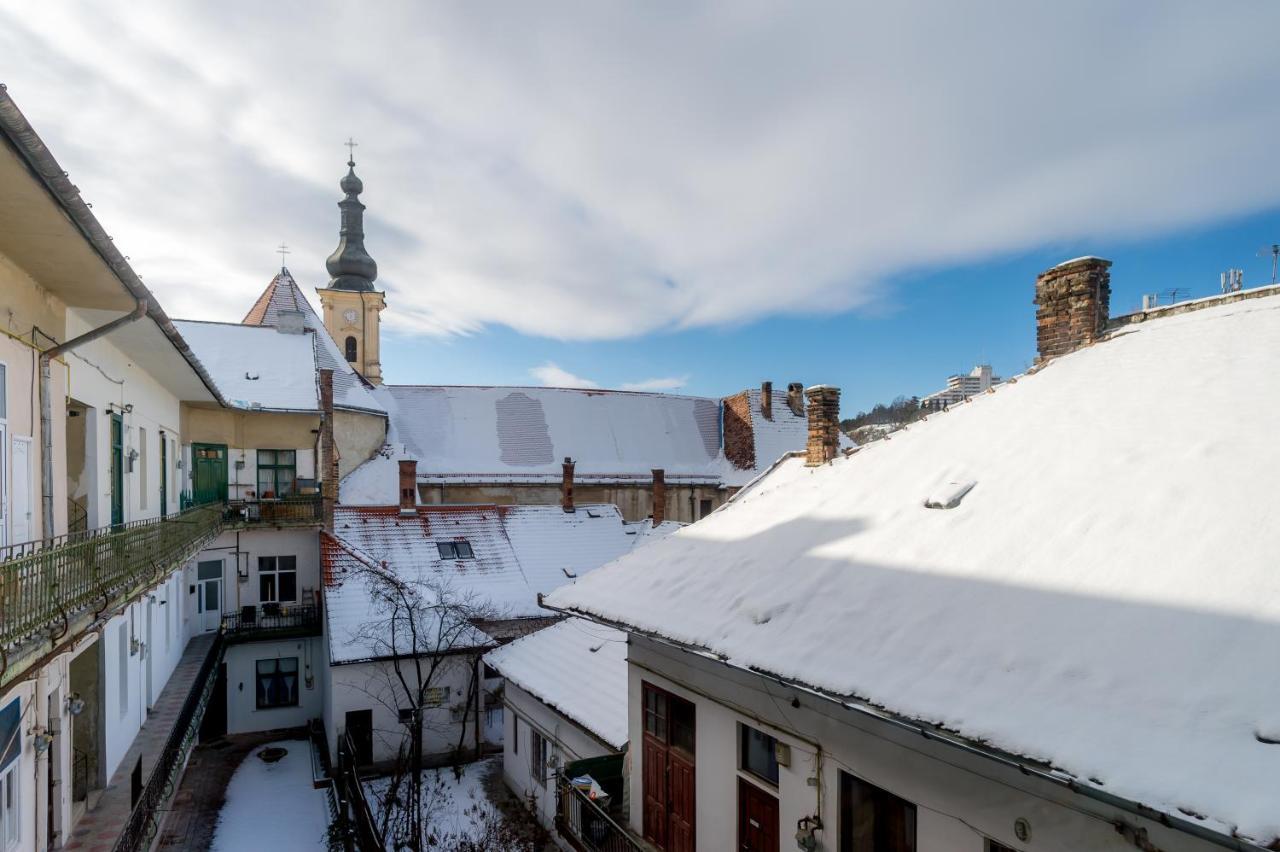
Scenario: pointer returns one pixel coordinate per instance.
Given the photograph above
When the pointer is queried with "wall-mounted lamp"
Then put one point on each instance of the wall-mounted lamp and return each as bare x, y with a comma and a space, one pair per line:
41, 739
75, 704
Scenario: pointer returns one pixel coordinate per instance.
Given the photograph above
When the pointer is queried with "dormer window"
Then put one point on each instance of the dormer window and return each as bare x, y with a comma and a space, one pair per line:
460, 549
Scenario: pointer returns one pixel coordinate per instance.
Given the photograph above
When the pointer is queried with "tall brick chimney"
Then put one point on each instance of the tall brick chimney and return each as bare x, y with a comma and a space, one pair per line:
566, 485
824, 425
1073, 303
408, 487
329, 452
795, 398
659, 496
766, 400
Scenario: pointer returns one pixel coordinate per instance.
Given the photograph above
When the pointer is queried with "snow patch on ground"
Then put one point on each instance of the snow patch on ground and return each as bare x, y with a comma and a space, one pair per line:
454, 806
273, 800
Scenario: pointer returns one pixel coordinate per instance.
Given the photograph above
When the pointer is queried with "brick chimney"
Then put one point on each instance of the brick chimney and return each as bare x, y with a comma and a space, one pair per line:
824, 425
766, 400
1073, 303
659, 496
795, 398
328, 452
408, 487
566, 485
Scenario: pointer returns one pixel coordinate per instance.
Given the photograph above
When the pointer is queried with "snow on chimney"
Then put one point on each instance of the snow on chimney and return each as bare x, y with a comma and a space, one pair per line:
824, 425
1073, 303
659, 496
408, 486
795, 398
566, 485
328, 450
766, 400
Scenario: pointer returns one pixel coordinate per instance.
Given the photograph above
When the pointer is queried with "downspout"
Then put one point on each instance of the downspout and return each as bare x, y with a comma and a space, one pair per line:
46, 406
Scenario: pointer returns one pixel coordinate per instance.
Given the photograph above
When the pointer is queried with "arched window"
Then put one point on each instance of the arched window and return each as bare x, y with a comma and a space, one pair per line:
351, 349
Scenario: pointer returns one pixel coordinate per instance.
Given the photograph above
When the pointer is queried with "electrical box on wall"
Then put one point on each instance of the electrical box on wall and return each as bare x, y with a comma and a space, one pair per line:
782, 753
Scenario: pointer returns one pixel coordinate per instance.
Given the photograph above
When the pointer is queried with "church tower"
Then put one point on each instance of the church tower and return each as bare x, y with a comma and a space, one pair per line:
350, 302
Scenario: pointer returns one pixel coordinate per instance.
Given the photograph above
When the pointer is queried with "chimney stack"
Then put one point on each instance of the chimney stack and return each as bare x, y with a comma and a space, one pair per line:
408, 487
766, 400
1073, 304
824, 425
328, 450
659, 496
795, 398
566, 485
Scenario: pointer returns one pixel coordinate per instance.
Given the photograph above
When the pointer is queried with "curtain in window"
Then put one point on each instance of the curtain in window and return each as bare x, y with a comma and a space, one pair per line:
278, 682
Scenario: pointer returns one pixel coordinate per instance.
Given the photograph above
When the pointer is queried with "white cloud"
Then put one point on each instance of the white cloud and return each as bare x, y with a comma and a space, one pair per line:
603, 171
664, 383
553, 376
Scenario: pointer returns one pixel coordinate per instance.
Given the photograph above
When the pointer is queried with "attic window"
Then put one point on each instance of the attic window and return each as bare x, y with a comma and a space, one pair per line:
455, 549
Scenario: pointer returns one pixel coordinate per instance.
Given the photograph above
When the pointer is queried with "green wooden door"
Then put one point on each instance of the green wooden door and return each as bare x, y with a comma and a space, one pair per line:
164, 475
209, 478
117, 470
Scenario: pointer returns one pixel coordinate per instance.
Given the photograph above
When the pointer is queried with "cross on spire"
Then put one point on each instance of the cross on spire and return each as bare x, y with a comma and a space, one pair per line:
282, 251
351, 144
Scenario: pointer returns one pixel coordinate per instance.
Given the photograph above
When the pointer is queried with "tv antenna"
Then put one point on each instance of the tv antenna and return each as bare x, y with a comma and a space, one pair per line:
1274, 251
1173, 294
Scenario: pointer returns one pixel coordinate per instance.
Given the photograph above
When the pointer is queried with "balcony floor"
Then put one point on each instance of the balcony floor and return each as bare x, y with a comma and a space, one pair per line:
99, 828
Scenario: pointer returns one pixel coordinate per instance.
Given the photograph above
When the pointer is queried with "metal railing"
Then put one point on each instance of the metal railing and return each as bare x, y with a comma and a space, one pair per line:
300, 620
144, 821
587, 825
44, 582
341, 834
299, 509
351, 792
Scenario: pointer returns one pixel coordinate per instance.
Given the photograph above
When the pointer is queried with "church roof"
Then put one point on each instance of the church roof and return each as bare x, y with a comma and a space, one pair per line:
282, 297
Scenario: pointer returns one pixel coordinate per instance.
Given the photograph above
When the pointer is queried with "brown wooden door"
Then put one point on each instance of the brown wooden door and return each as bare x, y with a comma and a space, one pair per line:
668, 771
655, 791
757, 819
680, 802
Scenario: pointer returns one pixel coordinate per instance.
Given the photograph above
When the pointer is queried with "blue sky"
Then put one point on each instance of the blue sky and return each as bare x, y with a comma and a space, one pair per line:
932, 324
695, 196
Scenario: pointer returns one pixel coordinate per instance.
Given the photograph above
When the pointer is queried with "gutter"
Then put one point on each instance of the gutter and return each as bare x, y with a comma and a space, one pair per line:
46, 407
930, 733
46, 169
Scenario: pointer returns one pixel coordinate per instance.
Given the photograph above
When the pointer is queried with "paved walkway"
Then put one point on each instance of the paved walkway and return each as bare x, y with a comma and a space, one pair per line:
193, 814
99, 828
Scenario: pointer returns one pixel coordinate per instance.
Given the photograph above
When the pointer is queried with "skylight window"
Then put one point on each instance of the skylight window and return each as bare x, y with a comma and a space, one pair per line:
460, 549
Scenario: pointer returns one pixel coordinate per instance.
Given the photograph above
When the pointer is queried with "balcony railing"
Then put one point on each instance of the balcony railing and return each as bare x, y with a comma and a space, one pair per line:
275, 620
43, 583
586, 825
285, 511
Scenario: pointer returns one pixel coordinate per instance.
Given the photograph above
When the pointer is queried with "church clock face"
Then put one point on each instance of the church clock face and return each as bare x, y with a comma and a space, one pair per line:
349, 315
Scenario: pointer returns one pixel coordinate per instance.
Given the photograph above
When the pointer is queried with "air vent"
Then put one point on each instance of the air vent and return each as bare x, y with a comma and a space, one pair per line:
948, 496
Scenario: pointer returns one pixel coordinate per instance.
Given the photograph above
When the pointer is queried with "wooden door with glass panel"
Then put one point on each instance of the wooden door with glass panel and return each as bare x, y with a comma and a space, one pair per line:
668, 776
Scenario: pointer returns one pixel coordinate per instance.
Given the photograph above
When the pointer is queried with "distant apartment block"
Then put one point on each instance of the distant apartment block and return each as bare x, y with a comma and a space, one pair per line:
961, 387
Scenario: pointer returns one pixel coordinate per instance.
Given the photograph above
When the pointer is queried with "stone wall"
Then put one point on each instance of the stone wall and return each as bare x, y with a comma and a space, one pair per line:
1073, 300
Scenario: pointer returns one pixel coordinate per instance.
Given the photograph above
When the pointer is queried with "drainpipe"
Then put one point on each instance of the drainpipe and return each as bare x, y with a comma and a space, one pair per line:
46, 406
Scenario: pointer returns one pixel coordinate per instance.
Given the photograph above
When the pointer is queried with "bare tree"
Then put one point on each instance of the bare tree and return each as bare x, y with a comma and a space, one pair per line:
425, 638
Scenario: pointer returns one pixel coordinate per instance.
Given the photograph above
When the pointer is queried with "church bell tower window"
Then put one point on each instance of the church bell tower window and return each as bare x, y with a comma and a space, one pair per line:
351, 349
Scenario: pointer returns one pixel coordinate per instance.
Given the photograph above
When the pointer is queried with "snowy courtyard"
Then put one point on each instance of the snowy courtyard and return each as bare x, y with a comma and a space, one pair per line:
273, 797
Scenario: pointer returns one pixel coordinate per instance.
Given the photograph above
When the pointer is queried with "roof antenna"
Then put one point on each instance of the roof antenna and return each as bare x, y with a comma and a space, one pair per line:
1274, 251
282, 251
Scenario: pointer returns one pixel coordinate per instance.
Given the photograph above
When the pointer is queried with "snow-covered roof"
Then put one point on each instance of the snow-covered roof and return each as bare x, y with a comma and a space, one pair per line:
519, 552
255, 367
282, 296
509, 433
1105, 597
576, 667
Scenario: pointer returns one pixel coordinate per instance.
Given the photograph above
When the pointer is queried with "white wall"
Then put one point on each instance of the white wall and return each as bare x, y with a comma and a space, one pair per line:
566, 742
101, 376
242, 469
961, 799
373, 686
24, 692
242, 711
239, 550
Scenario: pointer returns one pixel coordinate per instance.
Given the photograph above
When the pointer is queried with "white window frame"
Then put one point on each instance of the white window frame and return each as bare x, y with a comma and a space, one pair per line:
10, 807
539, 752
